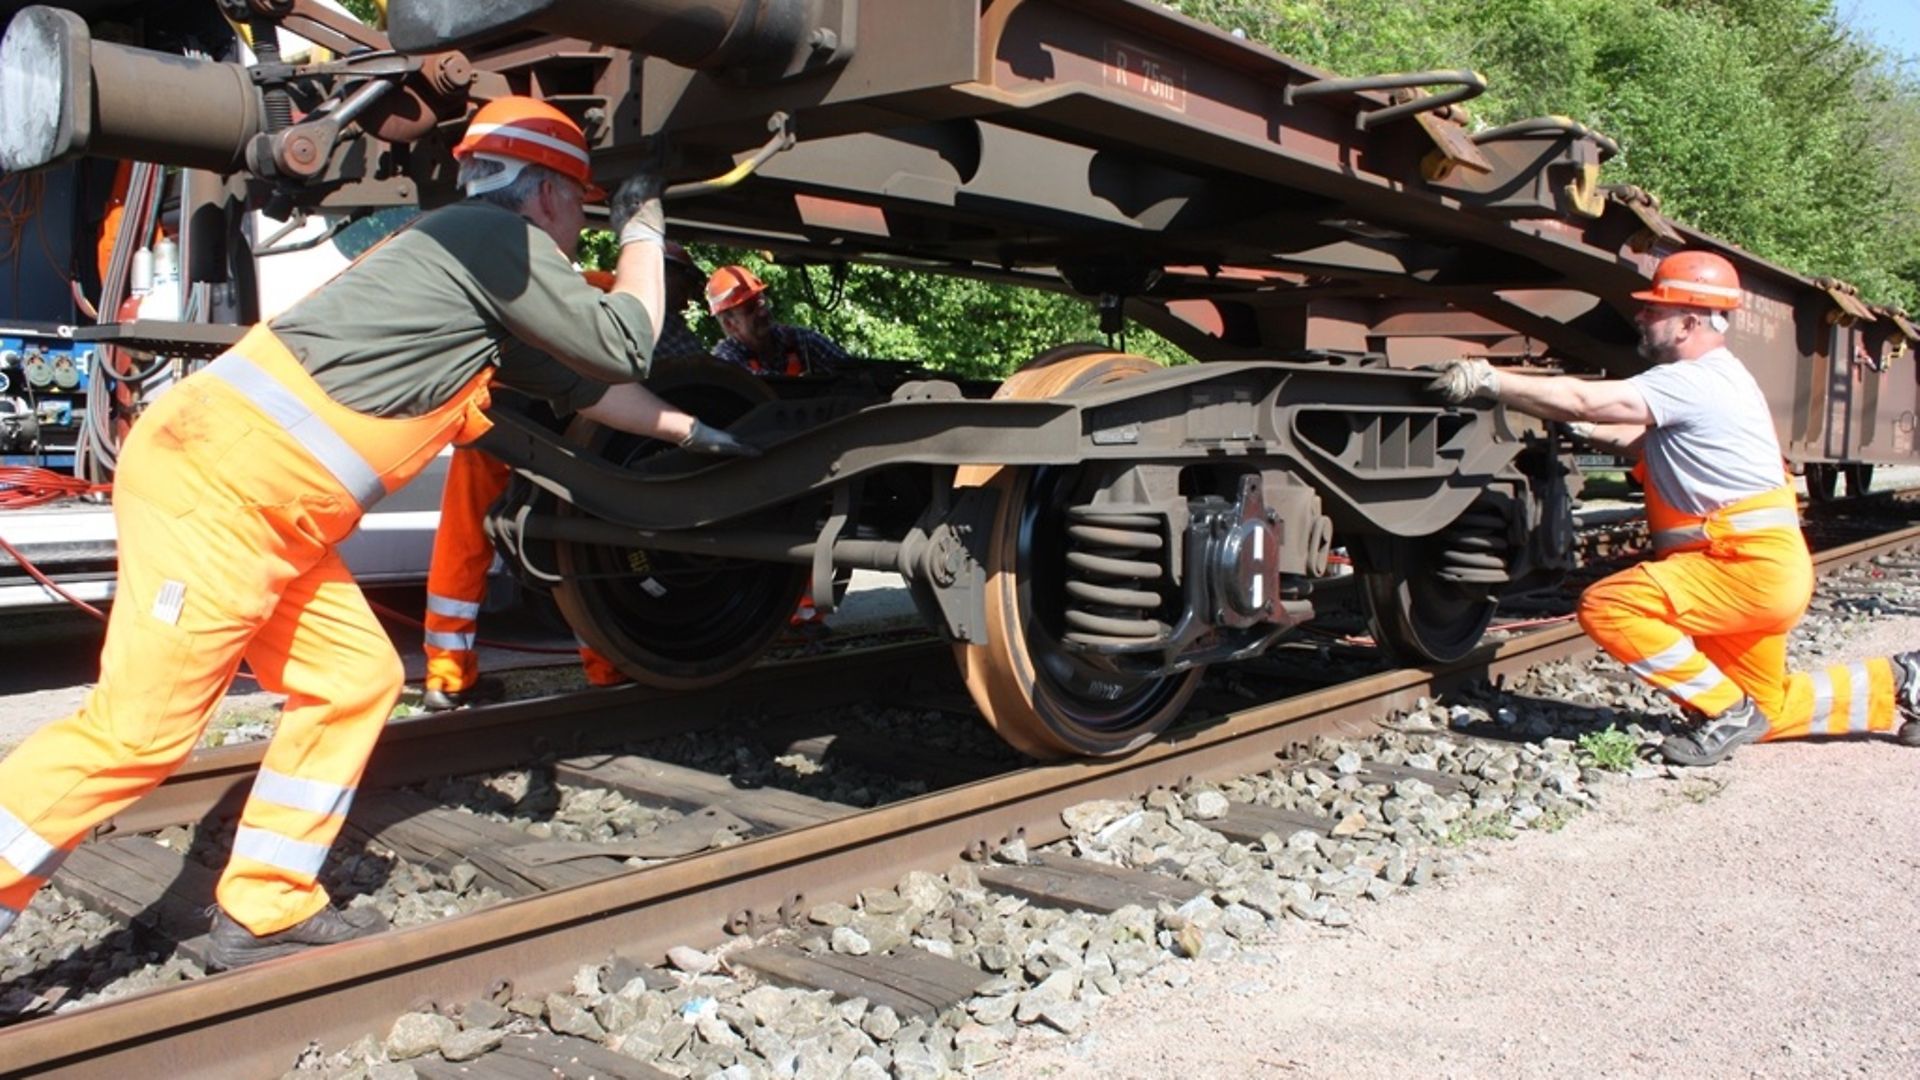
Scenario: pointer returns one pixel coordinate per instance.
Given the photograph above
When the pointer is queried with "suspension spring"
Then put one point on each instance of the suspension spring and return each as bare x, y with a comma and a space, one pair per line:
1474, 550
1114, 562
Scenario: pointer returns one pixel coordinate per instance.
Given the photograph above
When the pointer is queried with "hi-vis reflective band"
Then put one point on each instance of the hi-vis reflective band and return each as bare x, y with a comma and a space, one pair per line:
327, 447
1766, 517
1857, 699
24, 850
284, 790
441, 639
476, 132
452, 609
290, 855
1654, 669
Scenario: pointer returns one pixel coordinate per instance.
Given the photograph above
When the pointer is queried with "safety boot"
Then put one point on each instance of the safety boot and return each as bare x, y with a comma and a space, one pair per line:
1716, 737
230, 945
483, 691
1906, 669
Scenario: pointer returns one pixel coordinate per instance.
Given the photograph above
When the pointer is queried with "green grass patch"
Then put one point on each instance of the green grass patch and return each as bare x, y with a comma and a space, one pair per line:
1492, 827
1613, 750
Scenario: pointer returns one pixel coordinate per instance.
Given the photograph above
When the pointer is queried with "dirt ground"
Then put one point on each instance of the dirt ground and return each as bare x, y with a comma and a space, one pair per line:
1760, 919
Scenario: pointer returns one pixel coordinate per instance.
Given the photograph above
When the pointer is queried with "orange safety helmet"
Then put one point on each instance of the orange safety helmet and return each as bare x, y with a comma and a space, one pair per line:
1694, 279
525, 130
731, 286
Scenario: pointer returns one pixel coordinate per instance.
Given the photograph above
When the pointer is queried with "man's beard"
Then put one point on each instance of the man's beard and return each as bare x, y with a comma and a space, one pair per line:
1656, 352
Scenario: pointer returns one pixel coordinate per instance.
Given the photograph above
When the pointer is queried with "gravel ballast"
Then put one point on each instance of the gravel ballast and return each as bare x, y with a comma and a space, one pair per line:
1412, 937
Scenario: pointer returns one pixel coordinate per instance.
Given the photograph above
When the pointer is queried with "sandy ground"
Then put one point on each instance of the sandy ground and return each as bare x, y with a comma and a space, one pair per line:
1760, 919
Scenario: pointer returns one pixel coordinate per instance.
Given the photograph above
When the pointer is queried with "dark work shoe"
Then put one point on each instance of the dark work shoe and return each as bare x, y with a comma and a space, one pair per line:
1716, 737
1906, 696
483, 690
230, 945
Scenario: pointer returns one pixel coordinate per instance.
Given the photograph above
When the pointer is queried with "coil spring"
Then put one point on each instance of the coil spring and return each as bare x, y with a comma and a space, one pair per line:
1474, 549
1114, 560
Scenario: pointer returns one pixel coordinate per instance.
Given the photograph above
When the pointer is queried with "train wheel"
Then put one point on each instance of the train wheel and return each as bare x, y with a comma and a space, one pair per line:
1416, 615
1822, 482
1040, 697
665, 618
1859, 479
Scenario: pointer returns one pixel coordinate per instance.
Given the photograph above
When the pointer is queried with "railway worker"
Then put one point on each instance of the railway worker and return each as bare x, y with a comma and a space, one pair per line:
1707, 620
462, 554
738, 298
235, 487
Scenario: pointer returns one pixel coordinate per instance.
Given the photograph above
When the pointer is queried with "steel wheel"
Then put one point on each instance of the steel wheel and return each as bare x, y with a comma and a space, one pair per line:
665, 618
1037, 695
1415, 615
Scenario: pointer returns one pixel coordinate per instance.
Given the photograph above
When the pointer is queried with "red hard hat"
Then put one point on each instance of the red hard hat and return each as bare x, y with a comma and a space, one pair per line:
731, 286
1694, 279
524, 129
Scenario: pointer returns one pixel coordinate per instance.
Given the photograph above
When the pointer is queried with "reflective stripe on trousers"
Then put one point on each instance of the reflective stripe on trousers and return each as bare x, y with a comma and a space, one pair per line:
1841, 699
1745, 521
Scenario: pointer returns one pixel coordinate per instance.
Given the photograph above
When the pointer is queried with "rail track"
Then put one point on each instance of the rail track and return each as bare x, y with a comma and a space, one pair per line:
255, 1021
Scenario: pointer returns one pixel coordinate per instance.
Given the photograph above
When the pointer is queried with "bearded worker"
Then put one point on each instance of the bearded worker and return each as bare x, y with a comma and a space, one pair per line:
236, 486
1706, 620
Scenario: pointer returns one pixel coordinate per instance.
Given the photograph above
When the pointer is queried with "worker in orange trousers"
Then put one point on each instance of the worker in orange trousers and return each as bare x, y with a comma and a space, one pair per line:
236, 486
462, 554
1706, 621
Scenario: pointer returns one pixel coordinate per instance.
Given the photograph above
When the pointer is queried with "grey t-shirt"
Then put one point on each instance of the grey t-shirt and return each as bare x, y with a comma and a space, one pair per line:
400, 331
1713, 441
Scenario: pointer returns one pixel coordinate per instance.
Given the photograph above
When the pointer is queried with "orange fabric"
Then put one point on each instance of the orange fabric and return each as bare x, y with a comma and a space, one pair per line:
457, 576
1709, 623
110, 225
226, 530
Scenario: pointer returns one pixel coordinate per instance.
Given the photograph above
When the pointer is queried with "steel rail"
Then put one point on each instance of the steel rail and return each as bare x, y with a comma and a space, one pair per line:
256, 1020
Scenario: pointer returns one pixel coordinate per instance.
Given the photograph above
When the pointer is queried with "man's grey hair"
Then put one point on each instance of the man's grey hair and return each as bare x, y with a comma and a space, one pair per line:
514, 195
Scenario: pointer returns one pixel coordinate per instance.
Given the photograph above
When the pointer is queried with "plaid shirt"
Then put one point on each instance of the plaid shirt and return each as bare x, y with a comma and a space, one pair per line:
796, 351
676, 341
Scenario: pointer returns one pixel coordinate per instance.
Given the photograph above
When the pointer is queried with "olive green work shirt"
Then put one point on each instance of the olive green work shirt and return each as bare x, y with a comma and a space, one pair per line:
466, 287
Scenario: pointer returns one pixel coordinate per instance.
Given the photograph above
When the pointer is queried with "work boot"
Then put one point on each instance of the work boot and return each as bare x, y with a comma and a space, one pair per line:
1716, 737
1906, 670
230, 945
483, 691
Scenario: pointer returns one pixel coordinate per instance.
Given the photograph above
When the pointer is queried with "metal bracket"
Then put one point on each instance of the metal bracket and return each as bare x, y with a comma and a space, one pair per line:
1846, 299
821, 589
1464, 85
1645, 205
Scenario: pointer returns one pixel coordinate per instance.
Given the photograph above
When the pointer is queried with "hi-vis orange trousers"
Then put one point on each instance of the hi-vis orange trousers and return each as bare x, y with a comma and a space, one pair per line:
1707, 621
457, 576
232, 491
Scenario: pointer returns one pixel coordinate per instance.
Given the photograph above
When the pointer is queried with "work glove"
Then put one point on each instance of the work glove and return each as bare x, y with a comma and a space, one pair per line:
1580, 429
1461, 381
635, 211
704, 439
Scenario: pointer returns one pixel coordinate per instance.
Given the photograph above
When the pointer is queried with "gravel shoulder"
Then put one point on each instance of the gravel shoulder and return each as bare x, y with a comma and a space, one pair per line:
1758, 918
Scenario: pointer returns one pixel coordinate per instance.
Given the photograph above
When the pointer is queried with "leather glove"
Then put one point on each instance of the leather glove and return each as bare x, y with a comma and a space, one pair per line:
704, 439
635, 212
1461, 381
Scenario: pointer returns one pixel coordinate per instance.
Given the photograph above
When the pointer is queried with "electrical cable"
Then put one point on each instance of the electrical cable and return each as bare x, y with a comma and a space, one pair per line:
48, 583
